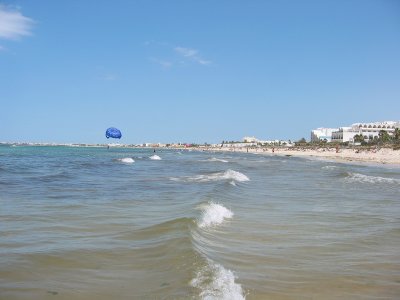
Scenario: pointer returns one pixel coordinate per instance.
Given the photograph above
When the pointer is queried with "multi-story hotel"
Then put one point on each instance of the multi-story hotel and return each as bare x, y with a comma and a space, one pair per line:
321, 134
369, 131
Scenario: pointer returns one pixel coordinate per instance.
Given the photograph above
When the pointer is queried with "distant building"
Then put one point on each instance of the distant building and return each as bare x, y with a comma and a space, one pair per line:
321, 134
344, 134
369, 131
250, 139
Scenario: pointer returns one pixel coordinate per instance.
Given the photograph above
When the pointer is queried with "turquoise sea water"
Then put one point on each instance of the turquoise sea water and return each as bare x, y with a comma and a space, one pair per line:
92, 223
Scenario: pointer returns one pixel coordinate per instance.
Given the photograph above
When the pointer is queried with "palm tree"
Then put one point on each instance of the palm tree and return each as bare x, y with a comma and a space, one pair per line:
358, 138
384, 136
397, 134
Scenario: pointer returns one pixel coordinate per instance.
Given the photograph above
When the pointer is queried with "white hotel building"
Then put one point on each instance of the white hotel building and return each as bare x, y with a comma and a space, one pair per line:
370, 131
321, 134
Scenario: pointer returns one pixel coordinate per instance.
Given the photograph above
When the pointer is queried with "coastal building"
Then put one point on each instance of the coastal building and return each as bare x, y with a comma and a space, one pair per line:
321, 134
369, 131
250, 139
343, 134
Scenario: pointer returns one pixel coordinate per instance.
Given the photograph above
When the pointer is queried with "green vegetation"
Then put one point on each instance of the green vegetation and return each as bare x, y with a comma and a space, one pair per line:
358, 138
384, 136
384, 139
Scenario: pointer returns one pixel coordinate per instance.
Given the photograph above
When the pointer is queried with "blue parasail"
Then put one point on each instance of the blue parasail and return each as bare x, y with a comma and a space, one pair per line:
113, 133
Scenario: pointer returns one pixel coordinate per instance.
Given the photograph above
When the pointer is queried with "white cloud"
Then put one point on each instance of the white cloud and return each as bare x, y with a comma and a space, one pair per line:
187, 52
13, 24
204, 62
164, 63
181, 55
191, 54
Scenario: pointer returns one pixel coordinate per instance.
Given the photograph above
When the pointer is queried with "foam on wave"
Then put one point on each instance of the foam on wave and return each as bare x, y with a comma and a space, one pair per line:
356, 177
214, 159
214, 214
227, 175
216, 282
155, 157
127, 160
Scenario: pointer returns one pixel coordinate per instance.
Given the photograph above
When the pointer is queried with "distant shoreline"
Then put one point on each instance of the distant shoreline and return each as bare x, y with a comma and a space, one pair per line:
379, 156
362, 155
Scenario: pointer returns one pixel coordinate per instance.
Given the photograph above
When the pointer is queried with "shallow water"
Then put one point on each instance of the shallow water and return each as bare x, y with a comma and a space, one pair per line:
92, 223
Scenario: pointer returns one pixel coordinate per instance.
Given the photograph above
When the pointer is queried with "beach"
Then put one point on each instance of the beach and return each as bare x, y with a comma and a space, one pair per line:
374, 156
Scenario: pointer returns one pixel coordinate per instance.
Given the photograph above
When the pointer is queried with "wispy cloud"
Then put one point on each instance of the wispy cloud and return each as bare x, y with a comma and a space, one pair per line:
173, 56
14, 25
164, 63
191, 54
187, 52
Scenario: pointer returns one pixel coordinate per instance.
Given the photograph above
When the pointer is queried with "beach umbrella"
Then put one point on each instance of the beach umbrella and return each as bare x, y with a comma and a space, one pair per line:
113, 133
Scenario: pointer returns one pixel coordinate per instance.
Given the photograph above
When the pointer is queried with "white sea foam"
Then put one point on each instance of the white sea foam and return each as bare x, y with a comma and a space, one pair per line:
356, 177
214, 159
216, 282
127, 160
227, 175
214, 214
155, 157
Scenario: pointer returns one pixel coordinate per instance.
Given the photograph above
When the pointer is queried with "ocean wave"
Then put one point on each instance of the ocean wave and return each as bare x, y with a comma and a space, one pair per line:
214, 159
155, 157
213, 214
329, 167
61, 176
216, 282
356, 177
227, 175
127, 160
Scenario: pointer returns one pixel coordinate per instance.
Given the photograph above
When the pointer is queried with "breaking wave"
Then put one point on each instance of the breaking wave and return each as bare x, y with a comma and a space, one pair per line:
127, 160
216, 282
214, 159
227, 175
212, 279
213, 214
155, 157
356, 177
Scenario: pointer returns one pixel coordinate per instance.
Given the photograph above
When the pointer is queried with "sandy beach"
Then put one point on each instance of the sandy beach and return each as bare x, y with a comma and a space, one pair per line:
379, 156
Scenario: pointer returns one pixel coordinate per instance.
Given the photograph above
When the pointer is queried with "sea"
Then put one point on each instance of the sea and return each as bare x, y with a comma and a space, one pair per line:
120, 223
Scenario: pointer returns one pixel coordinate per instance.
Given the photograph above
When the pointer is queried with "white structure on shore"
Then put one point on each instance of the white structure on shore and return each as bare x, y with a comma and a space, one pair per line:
321, 134
250, 139
369, 131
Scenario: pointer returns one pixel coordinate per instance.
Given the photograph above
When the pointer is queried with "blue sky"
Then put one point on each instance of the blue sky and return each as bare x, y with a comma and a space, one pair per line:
195, 71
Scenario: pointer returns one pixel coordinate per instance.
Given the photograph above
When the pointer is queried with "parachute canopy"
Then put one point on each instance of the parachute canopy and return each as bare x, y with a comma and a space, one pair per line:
113, 133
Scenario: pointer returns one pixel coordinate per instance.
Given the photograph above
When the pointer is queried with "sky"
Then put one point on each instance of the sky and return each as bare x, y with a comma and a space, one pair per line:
195, 71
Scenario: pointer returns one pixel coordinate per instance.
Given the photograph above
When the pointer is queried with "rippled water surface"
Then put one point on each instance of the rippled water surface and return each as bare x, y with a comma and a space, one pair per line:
92, 223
